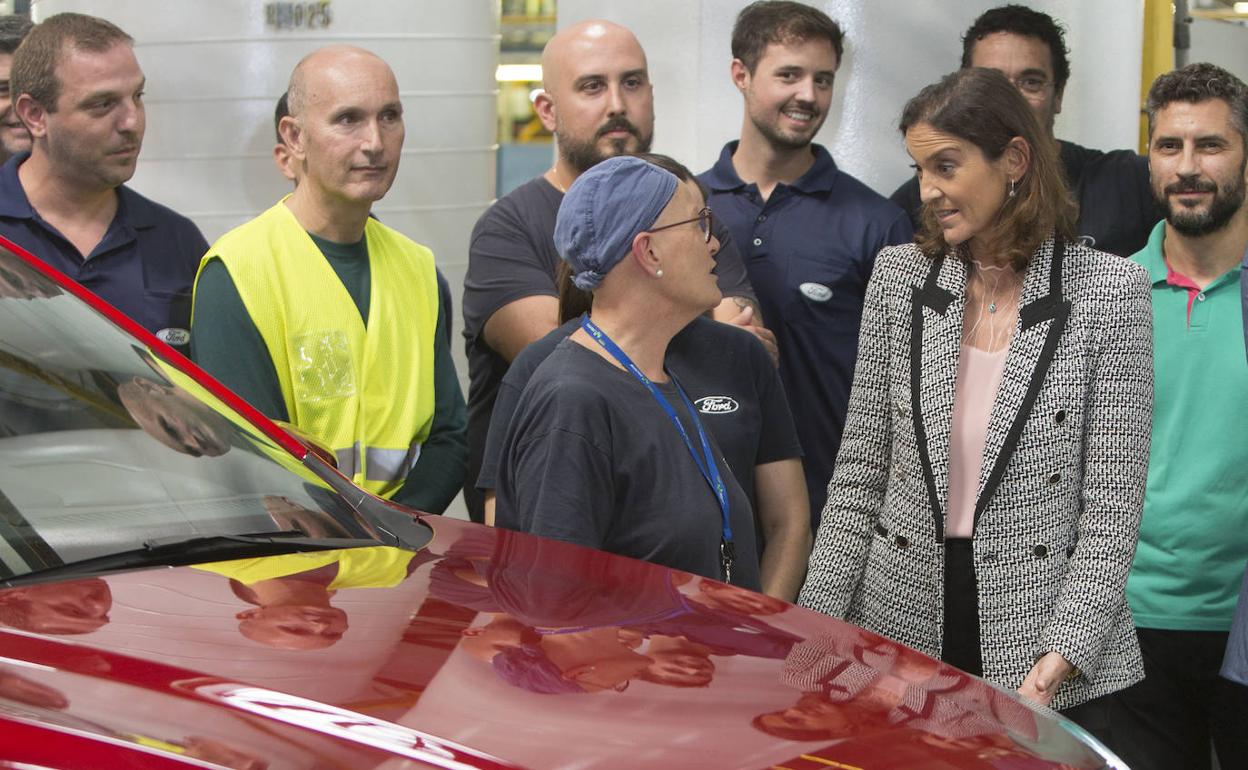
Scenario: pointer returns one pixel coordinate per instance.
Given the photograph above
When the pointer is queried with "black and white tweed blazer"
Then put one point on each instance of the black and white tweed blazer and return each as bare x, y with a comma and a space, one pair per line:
1062, 482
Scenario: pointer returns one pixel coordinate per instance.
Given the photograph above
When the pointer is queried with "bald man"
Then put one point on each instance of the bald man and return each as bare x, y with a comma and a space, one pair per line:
598, 101
325, 318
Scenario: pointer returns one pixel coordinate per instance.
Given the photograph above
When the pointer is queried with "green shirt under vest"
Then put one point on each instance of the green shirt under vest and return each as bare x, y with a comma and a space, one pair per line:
1194, 533
226, 342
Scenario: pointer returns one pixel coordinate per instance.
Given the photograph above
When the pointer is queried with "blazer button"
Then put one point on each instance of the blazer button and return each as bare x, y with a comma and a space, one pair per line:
1054, 478
1059, 416
880, 530
901, 541
1041, 551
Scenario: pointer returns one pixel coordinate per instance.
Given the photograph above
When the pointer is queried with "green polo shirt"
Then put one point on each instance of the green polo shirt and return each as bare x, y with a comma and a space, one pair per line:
1194, 534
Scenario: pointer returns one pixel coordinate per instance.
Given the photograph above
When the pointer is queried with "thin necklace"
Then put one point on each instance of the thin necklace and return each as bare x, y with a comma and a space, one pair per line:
997, 298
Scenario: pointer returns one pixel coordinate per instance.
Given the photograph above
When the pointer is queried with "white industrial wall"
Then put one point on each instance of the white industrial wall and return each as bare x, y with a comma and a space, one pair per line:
214, 73
892, 50
1223, 43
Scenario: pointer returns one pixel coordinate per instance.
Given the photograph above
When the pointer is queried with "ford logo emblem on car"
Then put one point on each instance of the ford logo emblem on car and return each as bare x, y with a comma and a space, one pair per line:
816, 291
716, 405
173, 336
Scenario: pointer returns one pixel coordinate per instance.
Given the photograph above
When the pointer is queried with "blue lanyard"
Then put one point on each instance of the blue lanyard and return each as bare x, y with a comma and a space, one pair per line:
705, 461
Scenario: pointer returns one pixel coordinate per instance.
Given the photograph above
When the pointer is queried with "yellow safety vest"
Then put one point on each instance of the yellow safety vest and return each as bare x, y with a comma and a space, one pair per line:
371, 567
261, 442
364, 390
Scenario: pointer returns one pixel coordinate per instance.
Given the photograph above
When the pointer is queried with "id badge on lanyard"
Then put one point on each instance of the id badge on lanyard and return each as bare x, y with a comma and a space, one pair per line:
704, 460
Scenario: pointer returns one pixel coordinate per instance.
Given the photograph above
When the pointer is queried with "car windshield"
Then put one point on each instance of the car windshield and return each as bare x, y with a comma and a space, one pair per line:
107, 448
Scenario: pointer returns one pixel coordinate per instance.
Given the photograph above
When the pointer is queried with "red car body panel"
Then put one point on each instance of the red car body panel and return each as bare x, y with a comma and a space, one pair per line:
171, 670
484, 649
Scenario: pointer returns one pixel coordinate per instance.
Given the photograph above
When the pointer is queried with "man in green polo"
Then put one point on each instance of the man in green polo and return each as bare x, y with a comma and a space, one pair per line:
1194, 533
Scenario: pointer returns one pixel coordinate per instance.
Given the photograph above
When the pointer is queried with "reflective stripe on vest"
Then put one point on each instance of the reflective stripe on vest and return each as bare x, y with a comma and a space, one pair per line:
381, 465
364, 389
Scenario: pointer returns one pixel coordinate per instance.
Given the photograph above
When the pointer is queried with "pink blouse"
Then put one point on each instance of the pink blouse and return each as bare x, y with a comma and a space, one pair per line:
979, 376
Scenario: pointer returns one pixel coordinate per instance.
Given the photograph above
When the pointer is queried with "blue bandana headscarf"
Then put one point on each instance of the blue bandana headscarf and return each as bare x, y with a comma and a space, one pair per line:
604, 210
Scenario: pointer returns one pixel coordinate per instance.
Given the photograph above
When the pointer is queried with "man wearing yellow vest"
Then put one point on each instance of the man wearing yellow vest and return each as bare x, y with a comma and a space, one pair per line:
325, 318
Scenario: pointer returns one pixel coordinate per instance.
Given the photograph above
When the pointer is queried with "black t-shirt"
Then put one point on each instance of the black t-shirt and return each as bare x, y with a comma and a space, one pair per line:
512, 255
1116, 206
591, 458
725, 371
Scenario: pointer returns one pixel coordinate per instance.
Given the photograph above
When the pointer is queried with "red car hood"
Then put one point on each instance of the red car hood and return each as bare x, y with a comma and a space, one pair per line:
485, 649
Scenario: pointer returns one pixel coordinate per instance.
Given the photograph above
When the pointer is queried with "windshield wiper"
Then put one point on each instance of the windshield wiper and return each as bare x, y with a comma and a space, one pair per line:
181, 551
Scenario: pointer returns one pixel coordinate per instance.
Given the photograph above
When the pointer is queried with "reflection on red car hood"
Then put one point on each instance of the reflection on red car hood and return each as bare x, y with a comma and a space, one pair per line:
486, 649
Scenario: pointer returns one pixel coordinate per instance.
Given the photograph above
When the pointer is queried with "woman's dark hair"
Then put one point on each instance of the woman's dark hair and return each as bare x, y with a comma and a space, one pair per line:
982, 106
574, 302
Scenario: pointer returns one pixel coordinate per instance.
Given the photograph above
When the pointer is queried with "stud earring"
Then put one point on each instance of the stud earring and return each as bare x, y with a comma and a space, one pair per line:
658, 273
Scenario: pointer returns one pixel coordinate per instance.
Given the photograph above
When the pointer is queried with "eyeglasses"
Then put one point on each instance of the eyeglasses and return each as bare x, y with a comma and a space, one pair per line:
704, 219
1031, 84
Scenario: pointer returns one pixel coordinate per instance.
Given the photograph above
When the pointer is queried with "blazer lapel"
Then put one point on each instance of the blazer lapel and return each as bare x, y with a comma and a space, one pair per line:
935, 343
1042, 317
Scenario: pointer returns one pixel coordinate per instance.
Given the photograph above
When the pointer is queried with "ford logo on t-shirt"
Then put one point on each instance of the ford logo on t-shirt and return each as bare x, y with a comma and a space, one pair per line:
173, 336
716, 405
816, 291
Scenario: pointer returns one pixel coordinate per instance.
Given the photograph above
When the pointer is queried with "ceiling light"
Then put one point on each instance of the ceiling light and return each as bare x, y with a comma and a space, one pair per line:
518, 73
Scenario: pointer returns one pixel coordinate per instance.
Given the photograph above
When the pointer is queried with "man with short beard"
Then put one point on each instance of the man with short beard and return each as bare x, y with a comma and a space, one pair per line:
79, 91
808, 231
598, 102
1194, 532
14, 137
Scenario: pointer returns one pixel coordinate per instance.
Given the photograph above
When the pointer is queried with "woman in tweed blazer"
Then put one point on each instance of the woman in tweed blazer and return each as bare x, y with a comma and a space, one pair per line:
1034, 585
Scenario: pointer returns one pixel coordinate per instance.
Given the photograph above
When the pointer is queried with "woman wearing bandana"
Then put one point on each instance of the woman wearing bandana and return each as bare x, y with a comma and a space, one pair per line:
605, 449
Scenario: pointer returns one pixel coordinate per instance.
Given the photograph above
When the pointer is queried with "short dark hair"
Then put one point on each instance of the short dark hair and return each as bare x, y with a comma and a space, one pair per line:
981, 106
13, 30
1021, 20
35, 60
281, 111
1197, 83
765, 22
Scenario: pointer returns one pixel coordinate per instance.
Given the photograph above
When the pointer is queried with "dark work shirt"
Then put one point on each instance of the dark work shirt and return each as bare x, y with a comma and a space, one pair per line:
226, 342
511, 255
726, 372
591, 458
809, 250
144, 265
1116, 206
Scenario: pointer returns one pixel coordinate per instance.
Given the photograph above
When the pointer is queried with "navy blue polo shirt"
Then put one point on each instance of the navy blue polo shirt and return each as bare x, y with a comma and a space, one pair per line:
809, 250
144, 265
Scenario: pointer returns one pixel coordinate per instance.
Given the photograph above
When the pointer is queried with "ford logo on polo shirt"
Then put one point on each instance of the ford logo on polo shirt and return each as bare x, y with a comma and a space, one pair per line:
816, 291
173, 336
716, 405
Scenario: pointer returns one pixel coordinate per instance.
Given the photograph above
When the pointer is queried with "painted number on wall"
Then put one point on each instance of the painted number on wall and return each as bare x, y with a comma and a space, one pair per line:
284, 15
